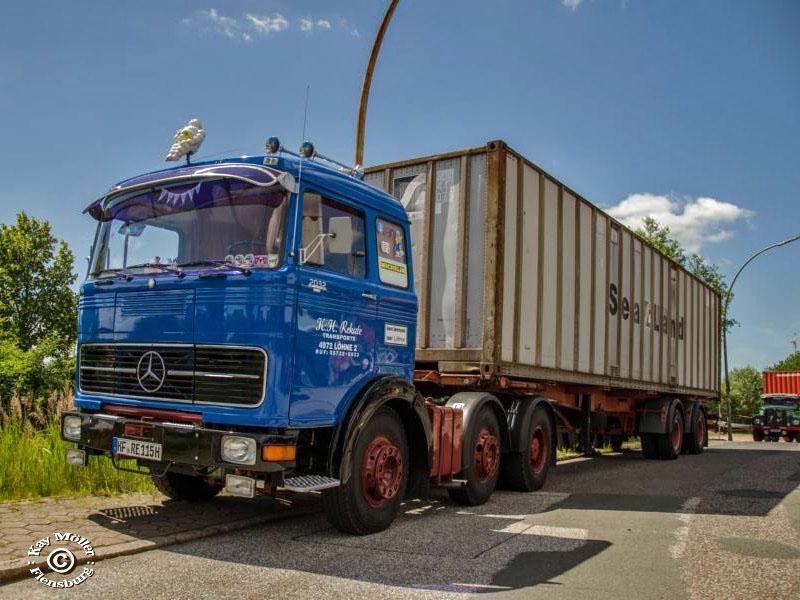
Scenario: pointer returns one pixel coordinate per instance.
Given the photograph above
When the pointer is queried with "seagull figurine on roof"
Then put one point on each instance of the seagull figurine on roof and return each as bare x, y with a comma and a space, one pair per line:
187, 141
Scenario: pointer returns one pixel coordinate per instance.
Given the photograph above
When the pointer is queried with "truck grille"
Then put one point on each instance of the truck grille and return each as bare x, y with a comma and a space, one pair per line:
183, 373
774, 418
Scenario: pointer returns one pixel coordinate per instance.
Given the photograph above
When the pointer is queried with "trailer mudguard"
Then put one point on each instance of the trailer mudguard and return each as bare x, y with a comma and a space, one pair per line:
403, 397
655, 414
518, 413
470, 404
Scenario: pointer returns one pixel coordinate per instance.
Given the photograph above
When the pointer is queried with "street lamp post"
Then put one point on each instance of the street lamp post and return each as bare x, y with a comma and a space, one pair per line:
724, 328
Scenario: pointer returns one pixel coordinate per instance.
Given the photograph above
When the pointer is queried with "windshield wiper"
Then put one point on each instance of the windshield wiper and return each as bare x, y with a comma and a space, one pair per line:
217, 264
152, 265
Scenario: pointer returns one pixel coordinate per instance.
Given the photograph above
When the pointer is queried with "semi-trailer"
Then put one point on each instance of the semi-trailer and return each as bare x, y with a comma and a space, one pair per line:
779, 413
276, 322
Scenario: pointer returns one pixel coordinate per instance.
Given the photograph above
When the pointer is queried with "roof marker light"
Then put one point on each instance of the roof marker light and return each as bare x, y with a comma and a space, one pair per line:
307, 150
273, 145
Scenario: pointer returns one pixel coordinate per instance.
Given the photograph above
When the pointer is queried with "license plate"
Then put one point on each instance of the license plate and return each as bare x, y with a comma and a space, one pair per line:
136, 449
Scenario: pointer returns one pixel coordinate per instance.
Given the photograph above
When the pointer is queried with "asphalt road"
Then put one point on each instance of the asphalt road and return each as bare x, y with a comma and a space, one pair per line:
725, 524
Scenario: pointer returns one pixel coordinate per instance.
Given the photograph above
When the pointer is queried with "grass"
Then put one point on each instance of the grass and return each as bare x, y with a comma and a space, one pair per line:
567, 453
33, 465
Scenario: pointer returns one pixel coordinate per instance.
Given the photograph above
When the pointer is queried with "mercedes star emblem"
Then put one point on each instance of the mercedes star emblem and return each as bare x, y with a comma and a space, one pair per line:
151, 371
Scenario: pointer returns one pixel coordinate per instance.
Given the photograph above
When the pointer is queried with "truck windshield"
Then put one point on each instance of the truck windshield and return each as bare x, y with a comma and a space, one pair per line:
782, 401
192, 224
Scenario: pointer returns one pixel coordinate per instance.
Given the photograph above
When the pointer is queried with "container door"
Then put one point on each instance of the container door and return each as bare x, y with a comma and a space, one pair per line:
336, 311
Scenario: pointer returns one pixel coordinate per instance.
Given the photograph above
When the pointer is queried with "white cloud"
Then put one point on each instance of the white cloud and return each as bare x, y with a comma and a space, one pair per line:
249, 26
693, 222
572, 4
212, 21
266, 25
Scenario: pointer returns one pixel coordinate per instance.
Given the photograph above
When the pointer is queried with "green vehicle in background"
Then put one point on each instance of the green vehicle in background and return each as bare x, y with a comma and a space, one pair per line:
779, 416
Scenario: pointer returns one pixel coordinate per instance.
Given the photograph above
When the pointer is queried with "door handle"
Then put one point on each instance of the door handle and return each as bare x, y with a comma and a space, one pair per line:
369, 296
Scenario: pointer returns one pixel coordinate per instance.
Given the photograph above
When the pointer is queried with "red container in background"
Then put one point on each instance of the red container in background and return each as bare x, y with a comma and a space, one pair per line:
780, 382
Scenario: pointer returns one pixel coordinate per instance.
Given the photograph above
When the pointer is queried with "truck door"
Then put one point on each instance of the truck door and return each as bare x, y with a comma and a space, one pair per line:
336, 311
397, 303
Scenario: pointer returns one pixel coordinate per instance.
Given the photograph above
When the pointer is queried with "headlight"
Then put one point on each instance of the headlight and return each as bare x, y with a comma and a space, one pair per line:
757, 421
71, 427
239, 450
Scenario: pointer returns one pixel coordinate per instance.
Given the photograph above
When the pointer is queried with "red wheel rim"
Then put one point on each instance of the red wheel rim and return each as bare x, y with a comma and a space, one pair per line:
486, 456
381, 471
700, 433
677, 432
540, 449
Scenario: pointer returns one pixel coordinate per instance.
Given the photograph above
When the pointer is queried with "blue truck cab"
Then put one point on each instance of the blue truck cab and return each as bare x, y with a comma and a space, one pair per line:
235, 314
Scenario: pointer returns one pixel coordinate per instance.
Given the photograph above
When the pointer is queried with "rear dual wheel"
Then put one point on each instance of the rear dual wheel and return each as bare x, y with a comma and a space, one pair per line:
695, 442
370, 499
665, 446
481, 460
527, 470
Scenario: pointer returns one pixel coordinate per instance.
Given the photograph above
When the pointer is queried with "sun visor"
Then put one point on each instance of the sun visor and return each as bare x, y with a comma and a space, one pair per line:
245, 173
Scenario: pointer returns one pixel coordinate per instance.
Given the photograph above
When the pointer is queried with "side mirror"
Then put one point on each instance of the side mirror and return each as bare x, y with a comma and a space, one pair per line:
340, 232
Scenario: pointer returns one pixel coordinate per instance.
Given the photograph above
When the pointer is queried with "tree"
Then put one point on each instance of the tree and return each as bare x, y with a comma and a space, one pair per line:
36, 300
660, 236
790, 363
745, 390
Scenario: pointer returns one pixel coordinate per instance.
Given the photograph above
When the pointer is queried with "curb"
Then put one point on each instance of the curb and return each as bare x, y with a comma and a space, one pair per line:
15, 570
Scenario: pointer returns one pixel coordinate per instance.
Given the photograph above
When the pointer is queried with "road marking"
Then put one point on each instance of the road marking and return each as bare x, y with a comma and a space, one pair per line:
526, 528
688, 508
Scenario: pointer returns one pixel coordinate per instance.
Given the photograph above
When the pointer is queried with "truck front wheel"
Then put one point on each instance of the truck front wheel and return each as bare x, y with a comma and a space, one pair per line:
758, 435
527, 471
186, 487
370, 499
481, 460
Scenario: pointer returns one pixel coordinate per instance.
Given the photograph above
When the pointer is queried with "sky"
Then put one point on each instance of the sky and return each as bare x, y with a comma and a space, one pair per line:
686, 111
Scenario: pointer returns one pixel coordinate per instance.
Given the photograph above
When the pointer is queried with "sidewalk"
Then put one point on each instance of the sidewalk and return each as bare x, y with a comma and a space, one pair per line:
129, 523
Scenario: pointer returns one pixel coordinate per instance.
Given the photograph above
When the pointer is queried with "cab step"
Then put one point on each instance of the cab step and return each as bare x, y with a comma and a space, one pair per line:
308, 483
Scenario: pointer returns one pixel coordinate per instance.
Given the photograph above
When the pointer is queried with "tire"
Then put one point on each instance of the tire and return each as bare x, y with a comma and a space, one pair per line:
186, 487
693, 443
526, 471
670, 443
649, 445
789, 436
616, 443
758, 435
370, 499
481, 460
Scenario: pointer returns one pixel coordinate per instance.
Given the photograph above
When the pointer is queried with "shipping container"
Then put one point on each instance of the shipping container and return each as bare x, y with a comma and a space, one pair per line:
520, 276
781, 382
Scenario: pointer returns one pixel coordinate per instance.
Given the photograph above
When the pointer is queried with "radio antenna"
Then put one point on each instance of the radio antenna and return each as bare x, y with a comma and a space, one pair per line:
300, 171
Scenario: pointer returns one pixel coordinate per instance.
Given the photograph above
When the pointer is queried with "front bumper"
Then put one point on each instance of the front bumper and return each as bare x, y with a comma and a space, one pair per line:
776, 428
182, 445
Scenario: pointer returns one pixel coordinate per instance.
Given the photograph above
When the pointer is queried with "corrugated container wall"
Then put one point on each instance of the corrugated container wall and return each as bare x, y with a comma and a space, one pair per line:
517, 274
781, 382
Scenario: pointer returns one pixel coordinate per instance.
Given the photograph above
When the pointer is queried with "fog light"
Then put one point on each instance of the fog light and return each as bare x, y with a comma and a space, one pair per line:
244, 487
76, 456
71, 427
238, 450
281, 453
